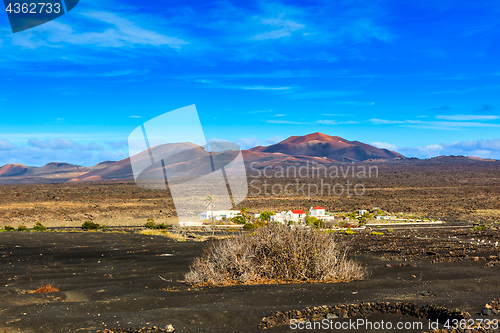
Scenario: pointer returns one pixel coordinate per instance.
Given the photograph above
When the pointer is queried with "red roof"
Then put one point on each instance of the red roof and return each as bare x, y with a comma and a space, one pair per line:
298, 211
318, 207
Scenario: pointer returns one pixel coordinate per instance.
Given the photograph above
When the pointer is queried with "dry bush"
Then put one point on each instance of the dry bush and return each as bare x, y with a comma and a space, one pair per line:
48, 288
275, 254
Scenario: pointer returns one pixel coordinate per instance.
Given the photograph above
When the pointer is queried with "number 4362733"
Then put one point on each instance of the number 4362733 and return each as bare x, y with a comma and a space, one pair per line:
34, 8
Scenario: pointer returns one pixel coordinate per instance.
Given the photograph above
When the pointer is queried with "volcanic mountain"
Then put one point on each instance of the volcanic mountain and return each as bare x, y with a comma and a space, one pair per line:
318, 148
315, 148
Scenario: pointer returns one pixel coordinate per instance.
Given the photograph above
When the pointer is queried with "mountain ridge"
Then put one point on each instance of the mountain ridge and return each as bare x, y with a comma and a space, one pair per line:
315, 148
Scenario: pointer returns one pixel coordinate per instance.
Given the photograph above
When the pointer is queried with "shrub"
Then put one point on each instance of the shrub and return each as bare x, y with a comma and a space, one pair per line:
48, 288
390, 230
239, 219
8, 228
259, 223
248, 226
349, 232
275, 254
150, 224
232, 229
479, 228
89, 225
348, 225
22, 227
266, 215
315, 222
375, 233
39, 227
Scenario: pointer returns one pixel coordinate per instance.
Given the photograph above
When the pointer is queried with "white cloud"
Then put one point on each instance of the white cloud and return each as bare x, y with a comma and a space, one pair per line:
273, 140
266, 88
287, 27
247, 143
465, 117
6, 145
479, 148
334, 122
323, 94
35, 156
441, 125
120, 32
285, 122
384, 145
63, 144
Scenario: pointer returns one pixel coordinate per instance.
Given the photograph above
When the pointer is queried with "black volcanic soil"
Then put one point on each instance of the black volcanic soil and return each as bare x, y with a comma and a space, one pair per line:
107, 280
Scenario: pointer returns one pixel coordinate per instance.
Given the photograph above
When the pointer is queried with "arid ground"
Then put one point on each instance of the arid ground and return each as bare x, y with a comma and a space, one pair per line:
111, 280
125, 279
449, 191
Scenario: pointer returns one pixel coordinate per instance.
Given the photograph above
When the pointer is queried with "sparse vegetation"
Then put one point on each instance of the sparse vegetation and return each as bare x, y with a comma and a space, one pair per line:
239, 219
376, 233
266, 215
39, 227
314, 222
150, 224
89, 225
349, 231
7, 228
310, 255
22, 227
479, 228
48, 288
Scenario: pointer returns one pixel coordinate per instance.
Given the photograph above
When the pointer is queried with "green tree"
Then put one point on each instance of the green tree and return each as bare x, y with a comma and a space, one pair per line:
239, 219
266, 215
314, 222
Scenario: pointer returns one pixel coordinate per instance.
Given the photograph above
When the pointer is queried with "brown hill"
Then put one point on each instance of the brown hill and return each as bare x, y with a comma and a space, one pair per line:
10, 170
297, 150
315, 148
333, 148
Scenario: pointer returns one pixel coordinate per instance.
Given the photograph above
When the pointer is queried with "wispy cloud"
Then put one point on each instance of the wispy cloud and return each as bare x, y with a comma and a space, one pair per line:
479, 148
467, 90
63, 144
286, 28
384, 145
119, 32
285, 122
334, 122
465, 117
441, 108
443, 125
266, 88
6, 145
323, 94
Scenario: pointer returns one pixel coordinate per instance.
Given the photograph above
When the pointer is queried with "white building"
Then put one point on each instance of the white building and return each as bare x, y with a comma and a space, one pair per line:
361, 212
219, 214
386, 217
317, 211
291, 215
279, 217
295, 215
320, 213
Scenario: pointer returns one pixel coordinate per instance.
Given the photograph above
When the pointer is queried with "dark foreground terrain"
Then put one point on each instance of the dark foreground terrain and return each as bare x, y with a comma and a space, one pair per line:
111, 280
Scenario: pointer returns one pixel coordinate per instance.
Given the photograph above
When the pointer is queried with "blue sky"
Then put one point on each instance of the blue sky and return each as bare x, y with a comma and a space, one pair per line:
419, 77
